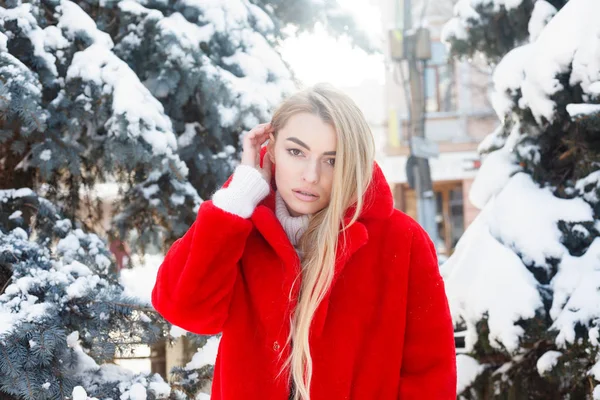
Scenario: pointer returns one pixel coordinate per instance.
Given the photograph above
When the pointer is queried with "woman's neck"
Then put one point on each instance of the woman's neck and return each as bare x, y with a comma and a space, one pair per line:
294, 227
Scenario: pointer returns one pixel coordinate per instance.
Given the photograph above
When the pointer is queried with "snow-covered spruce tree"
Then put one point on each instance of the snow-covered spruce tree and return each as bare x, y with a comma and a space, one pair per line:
494, 27
152, 95
62, 312
524, 280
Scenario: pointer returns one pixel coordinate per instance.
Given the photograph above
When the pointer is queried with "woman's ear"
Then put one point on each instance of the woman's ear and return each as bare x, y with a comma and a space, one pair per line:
271, 148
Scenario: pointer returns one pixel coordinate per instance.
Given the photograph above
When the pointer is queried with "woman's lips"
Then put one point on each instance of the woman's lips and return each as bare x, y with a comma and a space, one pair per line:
305, 196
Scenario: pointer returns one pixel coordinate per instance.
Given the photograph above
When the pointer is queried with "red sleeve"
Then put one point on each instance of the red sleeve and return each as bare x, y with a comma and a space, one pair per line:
429, 355
194, 284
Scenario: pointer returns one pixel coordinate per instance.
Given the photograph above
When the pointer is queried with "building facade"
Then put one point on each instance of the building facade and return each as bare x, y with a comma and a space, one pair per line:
458, 117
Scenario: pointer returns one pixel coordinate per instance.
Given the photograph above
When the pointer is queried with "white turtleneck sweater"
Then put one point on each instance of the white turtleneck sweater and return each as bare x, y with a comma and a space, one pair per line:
248, 188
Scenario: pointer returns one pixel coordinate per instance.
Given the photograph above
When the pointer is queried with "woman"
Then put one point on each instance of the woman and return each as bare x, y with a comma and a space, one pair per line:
322, 290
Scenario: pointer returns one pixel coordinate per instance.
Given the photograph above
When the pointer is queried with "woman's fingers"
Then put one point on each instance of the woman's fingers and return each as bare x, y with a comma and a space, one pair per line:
252, 143
261, 134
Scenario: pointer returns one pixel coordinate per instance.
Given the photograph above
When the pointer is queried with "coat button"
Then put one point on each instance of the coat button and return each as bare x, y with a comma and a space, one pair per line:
276, 346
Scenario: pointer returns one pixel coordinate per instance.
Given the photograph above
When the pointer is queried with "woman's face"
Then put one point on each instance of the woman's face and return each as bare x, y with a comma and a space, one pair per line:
304, 157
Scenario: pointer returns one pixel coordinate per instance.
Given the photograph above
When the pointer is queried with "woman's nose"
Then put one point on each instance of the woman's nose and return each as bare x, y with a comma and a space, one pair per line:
311, 173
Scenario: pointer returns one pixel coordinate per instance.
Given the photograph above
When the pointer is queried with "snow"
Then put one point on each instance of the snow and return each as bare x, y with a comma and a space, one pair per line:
486, 267
594, 335
455, 28
529, 152
265, 80
576, 110
74, 22
465, 10
207, 355
15, 193
259, 61
542, 13
131, 99
262, 19
73, 339
228, 114
132, 102
467, 369
508, 78
189, 35
46, 155
135, 8
508, 4
149, 191
586, 62
161, 390
17, 214
68, 244
563, 43
3, 43
495, 171
188, 135
465, 15
79, 393
82, 286
223, 15
265, 77
16, 305
591, 181
29, 27
547, 361
131, 386
595, 371
54, 39
576, 295
481, 271
581, 230
20, 233
542, 210
176, 331
136, 392
533, 68
504, 369
139, 280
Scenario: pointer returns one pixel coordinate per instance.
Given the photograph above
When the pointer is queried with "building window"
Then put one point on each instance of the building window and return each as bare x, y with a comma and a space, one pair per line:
450, 213
440, 85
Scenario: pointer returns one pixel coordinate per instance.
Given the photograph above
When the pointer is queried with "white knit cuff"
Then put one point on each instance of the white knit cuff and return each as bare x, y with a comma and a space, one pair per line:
246, 189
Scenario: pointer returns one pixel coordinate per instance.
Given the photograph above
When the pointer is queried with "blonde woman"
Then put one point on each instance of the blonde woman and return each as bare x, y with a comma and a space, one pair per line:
321, 289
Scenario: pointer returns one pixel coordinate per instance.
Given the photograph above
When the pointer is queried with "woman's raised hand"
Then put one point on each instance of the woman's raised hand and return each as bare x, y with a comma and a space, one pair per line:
251, 144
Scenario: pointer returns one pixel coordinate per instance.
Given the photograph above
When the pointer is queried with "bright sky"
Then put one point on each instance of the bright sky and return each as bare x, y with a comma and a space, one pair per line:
318, 57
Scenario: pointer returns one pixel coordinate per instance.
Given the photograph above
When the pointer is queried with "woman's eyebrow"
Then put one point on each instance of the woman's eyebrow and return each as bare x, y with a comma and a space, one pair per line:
301, 143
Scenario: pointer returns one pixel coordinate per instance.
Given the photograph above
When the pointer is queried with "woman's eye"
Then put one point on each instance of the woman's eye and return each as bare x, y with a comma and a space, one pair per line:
294, 152
331, 161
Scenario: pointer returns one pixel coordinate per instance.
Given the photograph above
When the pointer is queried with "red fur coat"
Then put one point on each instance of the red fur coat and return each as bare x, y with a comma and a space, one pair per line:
383, 332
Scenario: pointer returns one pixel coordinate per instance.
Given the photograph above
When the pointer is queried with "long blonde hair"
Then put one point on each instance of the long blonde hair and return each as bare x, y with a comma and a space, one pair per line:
355, 154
